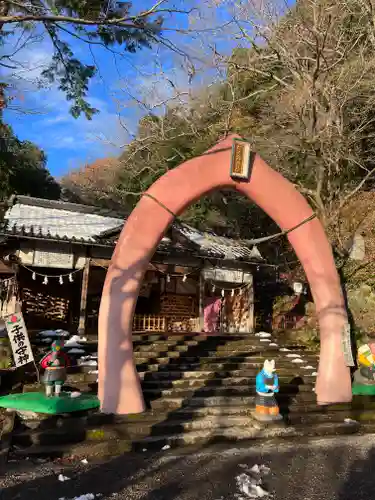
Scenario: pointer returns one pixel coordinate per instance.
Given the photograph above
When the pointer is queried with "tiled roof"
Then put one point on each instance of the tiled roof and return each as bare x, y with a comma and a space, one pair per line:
217, 246
81, 223
54, 219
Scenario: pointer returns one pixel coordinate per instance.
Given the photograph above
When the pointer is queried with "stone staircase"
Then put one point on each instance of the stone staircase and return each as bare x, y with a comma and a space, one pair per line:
199, 390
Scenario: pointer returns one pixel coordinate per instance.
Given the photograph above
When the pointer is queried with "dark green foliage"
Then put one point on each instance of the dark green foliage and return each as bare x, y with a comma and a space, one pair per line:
23, 168
104, 22
73, 76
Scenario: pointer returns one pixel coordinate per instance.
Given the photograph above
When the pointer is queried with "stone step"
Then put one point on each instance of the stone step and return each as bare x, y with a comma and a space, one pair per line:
91, 418
168, 341
305, 385
193, 336
130, 430
220, 342
188, 344
289, 410
81, 378
201, 345
208, 364
287, 391
198, 346
214, 339
202, 389
55, 437
201, 348
171, 346
361, 416
180, 399
206, 356
287, 403
225, 400
105, 443
228, 406
216, 358
284, 367
295, 413
235, 434
173, 367
214, 355
209, 374
238, 348
200, 337
284, 375
187, 426
79, 369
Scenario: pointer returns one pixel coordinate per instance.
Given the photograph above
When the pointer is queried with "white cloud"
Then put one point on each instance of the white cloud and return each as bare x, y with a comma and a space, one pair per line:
51, 125
57, 129
25, 55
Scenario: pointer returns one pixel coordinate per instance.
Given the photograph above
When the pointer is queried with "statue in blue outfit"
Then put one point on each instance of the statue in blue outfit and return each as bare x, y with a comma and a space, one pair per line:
267, 384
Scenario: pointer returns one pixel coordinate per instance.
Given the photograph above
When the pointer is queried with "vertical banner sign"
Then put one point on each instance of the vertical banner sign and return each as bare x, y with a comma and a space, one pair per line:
347, 345
19, 339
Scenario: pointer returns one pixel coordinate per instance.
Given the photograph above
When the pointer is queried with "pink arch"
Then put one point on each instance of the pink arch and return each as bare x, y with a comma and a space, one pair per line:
119, 386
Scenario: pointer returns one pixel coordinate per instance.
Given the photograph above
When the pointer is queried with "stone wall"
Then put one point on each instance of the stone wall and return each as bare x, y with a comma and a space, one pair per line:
361, 301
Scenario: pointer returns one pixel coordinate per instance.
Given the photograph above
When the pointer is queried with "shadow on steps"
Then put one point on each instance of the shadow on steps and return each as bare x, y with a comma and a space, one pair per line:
167, 422
177, 419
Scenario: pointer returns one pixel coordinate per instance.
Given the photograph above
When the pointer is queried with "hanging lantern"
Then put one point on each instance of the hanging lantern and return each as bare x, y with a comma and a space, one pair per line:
241, 291
222, 293
61, 281
45, 281
213, 288
34, 276
168, 278
70, 278
232, 293
184, 278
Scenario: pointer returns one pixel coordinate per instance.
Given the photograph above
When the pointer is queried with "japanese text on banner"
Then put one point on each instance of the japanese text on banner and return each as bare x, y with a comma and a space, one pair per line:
19, 339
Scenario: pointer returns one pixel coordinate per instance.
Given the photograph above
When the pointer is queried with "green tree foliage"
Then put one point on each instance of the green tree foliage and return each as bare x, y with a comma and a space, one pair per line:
23, 168
96, 22
301, 92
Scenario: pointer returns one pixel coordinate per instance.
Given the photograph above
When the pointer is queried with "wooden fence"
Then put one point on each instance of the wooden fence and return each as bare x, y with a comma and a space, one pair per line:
149, 323
155, 323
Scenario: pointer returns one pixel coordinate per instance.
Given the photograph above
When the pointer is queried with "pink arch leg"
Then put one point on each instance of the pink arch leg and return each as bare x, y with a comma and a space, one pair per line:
119, 386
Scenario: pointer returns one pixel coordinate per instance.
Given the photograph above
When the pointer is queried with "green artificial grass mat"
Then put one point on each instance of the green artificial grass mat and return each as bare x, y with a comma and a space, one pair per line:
38, 402
363, 389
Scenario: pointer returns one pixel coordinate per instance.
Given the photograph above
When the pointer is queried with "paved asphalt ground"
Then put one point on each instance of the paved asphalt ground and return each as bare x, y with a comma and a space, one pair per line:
326, 469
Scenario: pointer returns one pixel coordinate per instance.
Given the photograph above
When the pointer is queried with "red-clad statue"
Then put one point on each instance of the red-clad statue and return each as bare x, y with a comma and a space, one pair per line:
55, 364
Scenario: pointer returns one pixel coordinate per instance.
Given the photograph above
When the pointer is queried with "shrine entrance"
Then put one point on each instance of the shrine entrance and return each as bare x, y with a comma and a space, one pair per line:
229, 164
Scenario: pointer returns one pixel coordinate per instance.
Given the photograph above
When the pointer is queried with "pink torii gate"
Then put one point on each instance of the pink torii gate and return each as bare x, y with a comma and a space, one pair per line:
119, 386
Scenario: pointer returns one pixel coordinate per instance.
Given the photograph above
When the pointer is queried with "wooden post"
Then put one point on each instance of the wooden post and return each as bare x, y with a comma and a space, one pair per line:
201, 301
250, 325
85, 285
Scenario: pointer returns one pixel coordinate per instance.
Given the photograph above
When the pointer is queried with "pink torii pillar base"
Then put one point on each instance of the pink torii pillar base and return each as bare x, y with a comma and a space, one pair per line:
119, 386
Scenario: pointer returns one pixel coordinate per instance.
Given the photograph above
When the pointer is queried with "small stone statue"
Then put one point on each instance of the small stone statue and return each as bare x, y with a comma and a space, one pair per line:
55, 364
267, 384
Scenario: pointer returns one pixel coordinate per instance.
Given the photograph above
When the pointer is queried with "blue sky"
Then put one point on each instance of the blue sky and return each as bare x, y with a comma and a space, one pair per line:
46, 121
43, 114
